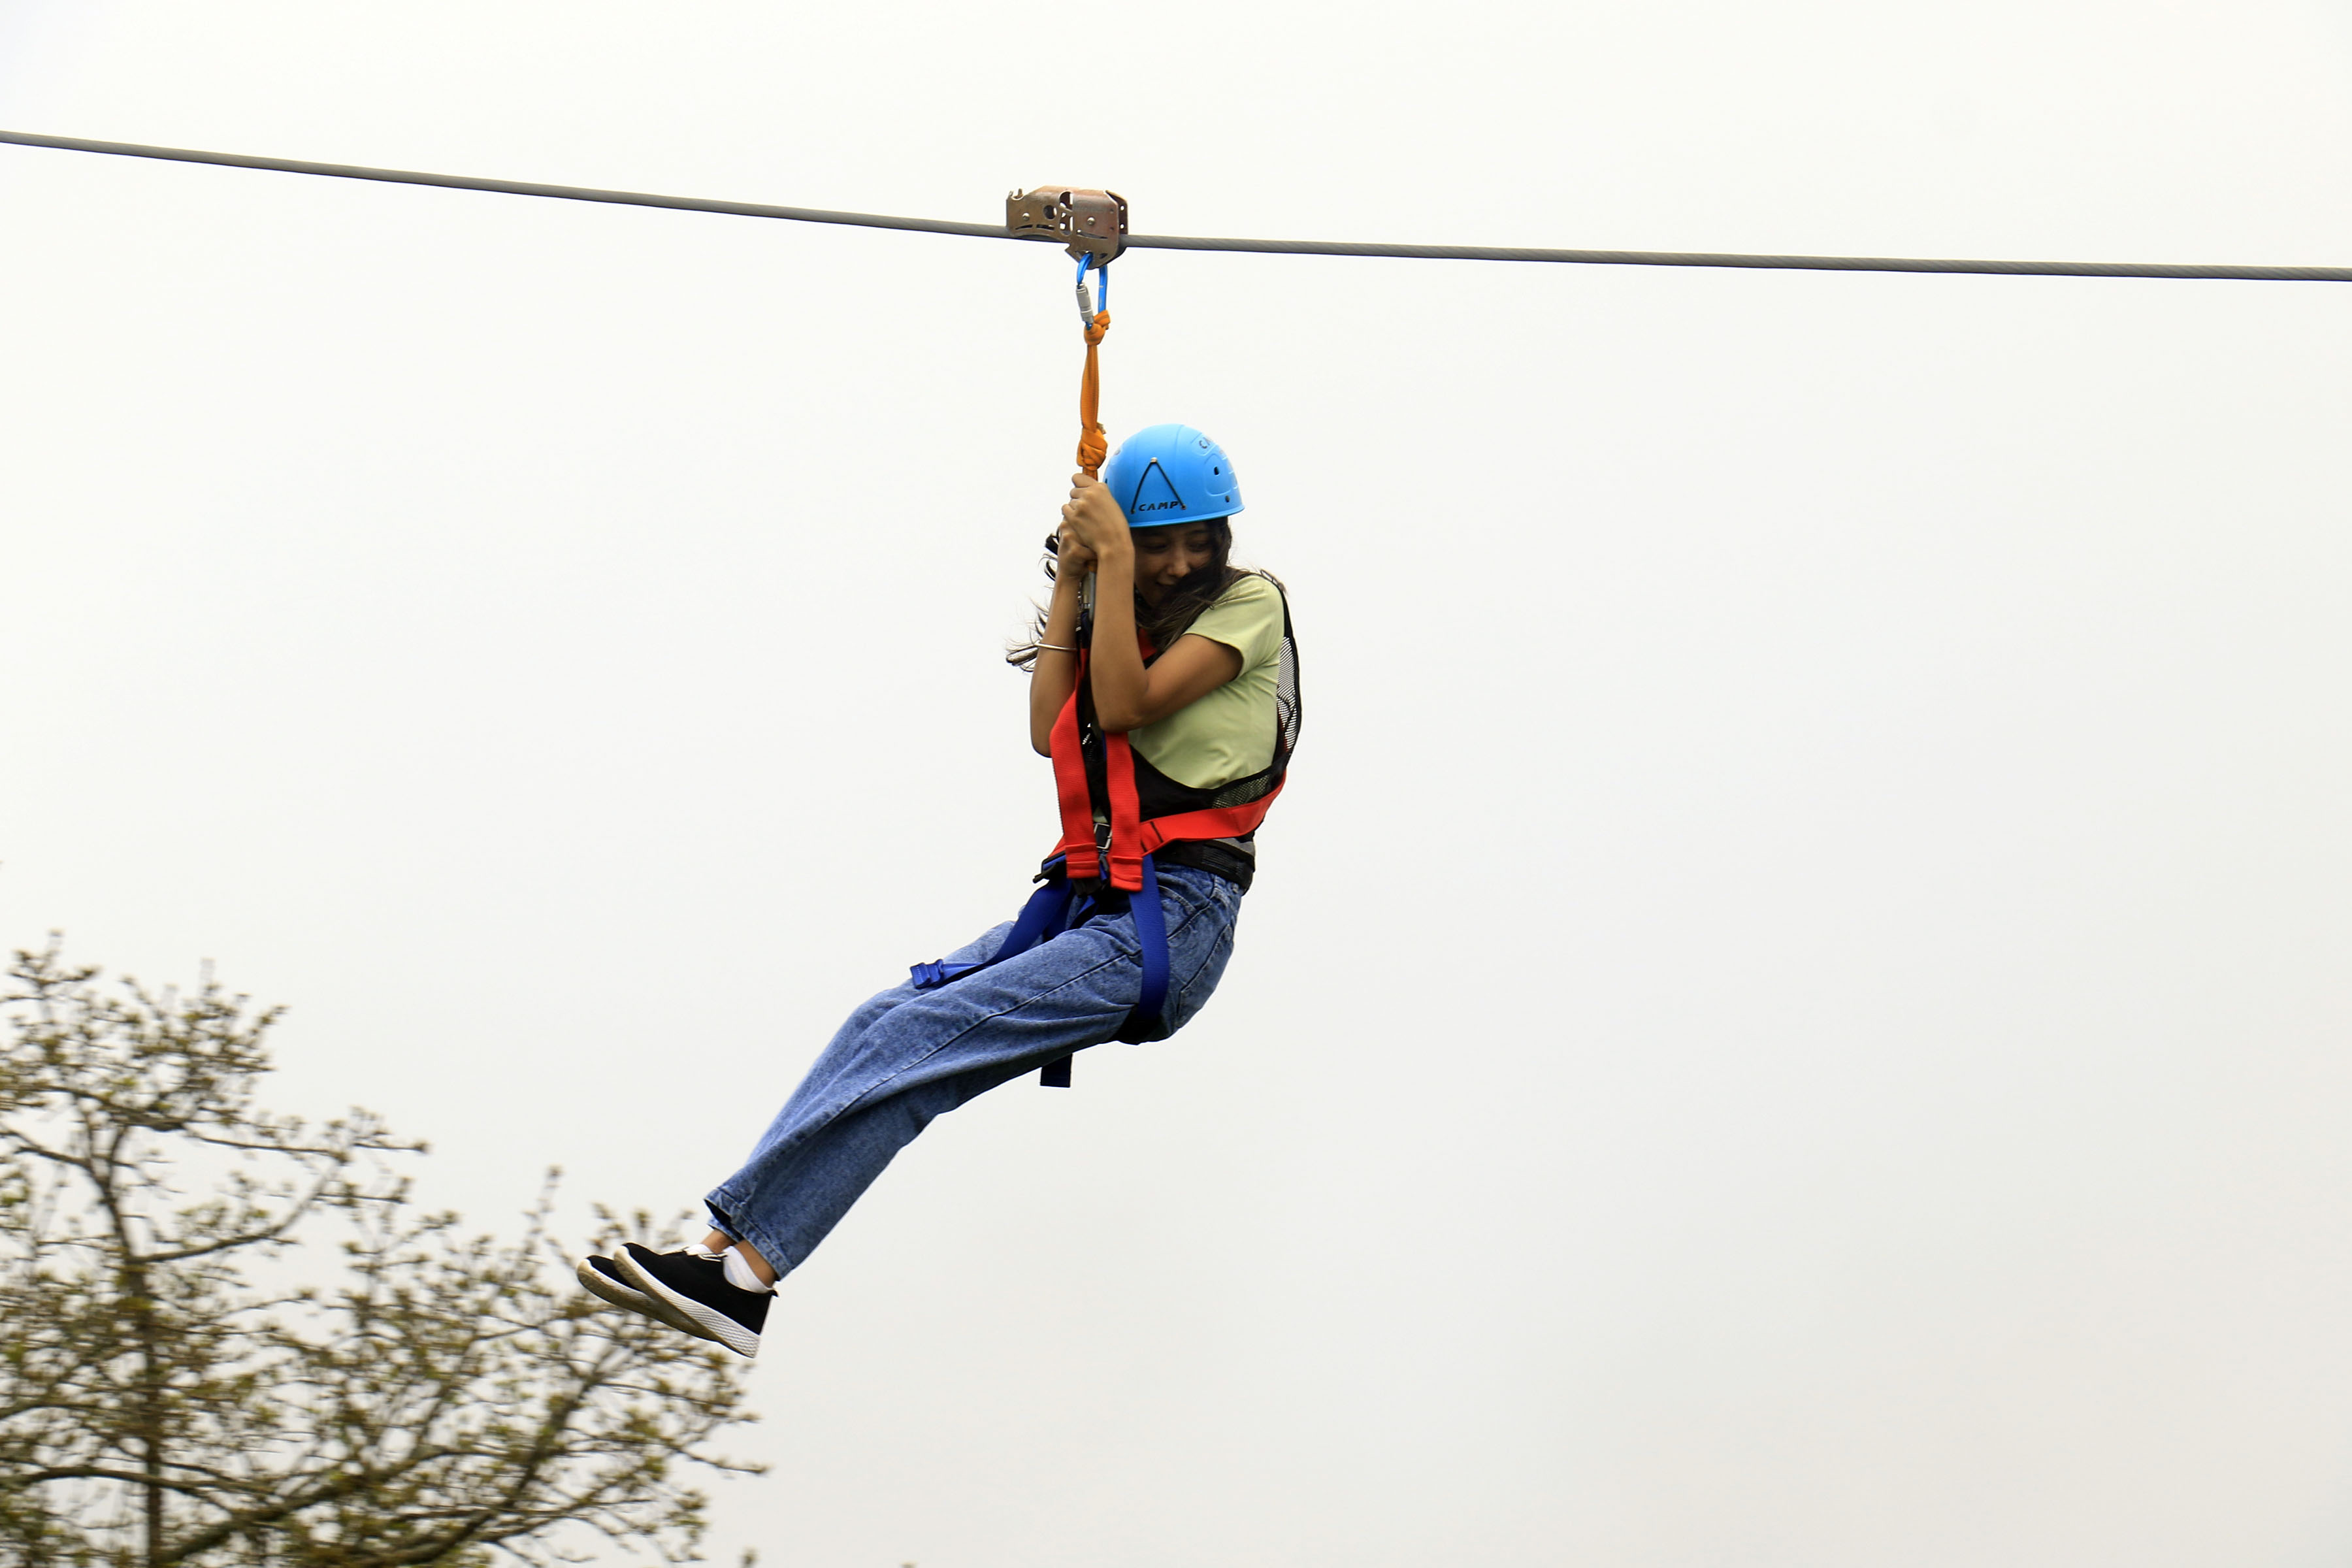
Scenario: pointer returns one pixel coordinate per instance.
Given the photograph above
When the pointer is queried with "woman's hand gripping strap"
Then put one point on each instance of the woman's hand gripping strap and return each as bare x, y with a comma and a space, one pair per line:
1093, 445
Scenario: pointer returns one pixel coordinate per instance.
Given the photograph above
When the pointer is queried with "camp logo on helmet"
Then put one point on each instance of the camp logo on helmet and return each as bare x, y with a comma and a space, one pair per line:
1168, 474
1155, 492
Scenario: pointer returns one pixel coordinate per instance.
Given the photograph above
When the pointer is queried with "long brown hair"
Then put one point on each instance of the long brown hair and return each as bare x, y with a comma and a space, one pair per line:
1178, 608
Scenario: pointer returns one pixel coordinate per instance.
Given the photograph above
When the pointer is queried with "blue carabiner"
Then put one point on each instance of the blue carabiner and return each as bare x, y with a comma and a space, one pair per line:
1102, 288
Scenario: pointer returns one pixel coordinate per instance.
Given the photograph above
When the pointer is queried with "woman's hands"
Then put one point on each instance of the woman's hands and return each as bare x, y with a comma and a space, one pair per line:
1094, 530
1071, 559
1128, 695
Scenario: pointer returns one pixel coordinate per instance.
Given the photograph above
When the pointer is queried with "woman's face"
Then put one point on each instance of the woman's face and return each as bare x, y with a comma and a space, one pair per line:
1164, 557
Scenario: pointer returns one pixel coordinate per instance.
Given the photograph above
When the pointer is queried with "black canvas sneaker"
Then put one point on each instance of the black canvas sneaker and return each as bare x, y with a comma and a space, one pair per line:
692, 1294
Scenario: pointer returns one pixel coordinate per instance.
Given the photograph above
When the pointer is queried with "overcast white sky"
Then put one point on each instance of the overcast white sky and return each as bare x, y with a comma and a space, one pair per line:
1796, 1009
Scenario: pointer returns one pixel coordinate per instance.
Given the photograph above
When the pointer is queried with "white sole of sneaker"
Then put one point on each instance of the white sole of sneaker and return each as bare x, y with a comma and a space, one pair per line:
637, 1300
598, 1283
686, 1313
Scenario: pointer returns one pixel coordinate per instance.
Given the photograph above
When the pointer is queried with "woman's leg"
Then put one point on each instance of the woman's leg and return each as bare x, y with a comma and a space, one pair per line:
837, 1066
837, 1061
908, 1055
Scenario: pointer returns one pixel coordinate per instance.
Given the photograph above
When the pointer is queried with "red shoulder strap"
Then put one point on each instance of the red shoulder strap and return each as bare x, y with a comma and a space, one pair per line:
1077, 845
1080, 845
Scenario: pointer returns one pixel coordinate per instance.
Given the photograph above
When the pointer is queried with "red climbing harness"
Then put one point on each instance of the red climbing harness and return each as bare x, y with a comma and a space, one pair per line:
1120, 814
1105, 831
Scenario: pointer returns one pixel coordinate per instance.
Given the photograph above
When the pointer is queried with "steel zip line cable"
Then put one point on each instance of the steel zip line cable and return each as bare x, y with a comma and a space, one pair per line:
1192, 242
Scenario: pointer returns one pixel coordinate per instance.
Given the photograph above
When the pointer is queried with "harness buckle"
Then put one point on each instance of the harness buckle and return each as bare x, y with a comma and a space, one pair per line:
1089, 223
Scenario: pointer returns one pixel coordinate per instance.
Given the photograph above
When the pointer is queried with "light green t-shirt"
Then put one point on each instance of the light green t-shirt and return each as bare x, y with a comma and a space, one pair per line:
1229, 733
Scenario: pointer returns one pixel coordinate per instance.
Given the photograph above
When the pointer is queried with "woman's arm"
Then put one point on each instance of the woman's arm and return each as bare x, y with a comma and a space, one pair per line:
1055, 672
1128, 693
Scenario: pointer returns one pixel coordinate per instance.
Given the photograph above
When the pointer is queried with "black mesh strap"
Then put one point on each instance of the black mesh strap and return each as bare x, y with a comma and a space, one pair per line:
1207, 855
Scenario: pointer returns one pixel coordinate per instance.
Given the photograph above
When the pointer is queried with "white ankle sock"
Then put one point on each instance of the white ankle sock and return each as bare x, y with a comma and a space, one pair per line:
740, 1275
696, 1249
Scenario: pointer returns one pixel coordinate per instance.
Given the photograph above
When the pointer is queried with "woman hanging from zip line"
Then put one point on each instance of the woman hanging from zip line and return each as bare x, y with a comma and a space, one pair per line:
1169, 710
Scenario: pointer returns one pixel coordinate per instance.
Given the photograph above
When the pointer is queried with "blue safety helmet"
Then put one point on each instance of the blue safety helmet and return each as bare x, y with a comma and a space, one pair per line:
1171, 474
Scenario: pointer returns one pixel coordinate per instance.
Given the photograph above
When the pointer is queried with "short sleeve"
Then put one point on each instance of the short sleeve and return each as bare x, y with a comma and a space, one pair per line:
1247, 619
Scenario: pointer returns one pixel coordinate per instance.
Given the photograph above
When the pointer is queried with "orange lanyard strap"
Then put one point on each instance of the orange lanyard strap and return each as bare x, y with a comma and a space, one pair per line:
1093, 444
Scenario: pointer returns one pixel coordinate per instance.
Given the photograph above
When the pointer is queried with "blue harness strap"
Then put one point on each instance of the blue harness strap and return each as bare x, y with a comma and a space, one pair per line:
1152, 935
1051, 910
1044, 916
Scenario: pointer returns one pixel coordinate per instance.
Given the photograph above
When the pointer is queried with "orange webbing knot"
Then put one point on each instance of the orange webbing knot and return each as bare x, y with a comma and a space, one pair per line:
1093, 445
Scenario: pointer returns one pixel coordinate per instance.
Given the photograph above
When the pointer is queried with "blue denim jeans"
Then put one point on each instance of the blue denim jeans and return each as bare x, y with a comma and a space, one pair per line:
908, 1055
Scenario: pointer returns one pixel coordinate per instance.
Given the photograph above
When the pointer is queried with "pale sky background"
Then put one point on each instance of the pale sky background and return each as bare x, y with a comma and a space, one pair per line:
1796, 1009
